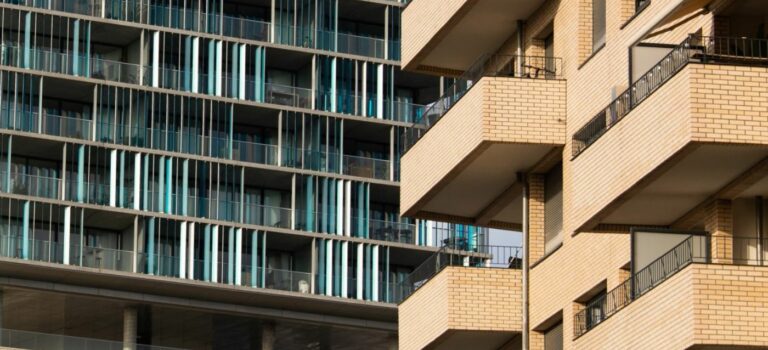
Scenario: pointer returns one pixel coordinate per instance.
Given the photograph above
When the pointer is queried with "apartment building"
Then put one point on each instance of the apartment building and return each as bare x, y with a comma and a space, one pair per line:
626, 139
208, 174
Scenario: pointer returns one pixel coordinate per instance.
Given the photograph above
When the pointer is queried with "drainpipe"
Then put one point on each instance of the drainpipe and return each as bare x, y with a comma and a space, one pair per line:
524, 179
519, 65
759, 227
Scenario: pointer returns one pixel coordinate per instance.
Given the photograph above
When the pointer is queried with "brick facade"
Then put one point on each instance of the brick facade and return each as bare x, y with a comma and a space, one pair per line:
461, 299
704, 104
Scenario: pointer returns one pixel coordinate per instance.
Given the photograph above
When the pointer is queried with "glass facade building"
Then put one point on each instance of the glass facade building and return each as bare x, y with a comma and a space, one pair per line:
242, 156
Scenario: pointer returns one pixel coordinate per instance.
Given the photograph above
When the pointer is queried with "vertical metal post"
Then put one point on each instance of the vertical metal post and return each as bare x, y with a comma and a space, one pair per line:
759, 227
526, 265
519, 63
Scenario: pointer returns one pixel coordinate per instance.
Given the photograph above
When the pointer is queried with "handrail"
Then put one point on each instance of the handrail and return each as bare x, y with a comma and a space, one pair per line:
529, 67
658, 271
695, 48
484, 256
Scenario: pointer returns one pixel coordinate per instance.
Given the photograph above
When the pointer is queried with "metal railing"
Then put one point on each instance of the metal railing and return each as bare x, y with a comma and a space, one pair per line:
529, 67
708, 50
481, 256
693, 249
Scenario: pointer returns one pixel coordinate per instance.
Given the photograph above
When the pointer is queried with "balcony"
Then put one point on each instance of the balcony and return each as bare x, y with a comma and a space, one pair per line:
690, 297
444, 37
702, 105
446, 310
505, 116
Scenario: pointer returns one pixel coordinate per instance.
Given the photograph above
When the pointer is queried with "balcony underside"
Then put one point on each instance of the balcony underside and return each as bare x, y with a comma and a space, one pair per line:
688, 178
475, 339
485, 186
472, 27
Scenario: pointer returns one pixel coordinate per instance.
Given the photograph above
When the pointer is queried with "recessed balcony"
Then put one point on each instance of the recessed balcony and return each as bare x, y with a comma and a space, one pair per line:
445, 37
692, 128
506, 116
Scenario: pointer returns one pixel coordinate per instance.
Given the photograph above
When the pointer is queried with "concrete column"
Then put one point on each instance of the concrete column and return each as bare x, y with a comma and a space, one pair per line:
130, 320
268, 336
719, 223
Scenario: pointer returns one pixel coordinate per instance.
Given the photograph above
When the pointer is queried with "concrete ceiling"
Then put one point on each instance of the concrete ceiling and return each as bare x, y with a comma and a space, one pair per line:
480, 182
487, 25
475, 340
692, 180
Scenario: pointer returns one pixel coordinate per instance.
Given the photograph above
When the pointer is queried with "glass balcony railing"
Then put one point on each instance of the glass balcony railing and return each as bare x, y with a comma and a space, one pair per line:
17, 339
366, 167
291, 96
102, 258
246, 28
254, 152
224, 24
287, 280
391, 231
52, 124
12, 246
32, 185
258, 214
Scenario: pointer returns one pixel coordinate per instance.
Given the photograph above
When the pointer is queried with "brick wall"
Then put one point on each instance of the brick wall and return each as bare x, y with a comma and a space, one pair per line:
524, 110
729, 104
461, 298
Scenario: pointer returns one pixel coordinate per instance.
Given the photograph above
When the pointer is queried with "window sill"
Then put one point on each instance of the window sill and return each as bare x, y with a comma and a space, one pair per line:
637, 13
594, 53
545, 256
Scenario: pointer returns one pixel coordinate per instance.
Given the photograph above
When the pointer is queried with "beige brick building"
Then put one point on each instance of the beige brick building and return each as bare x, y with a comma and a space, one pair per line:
626, 139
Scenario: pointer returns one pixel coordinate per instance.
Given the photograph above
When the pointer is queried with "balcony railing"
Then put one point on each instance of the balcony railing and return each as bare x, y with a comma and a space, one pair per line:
292, 96
486, 256
529, 67
366, 167
712, 50
17, 339
691, 250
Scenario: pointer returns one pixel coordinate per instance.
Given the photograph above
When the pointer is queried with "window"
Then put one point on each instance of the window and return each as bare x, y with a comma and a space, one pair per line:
595, 310
553, 338
553, 209
598, 24
640, 4
549, 53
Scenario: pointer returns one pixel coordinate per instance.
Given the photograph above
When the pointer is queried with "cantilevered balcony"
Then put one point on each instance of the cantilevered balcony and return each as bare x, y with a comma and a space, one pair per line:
690, 129
445, 37
504, 117
690, 297
463, 302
